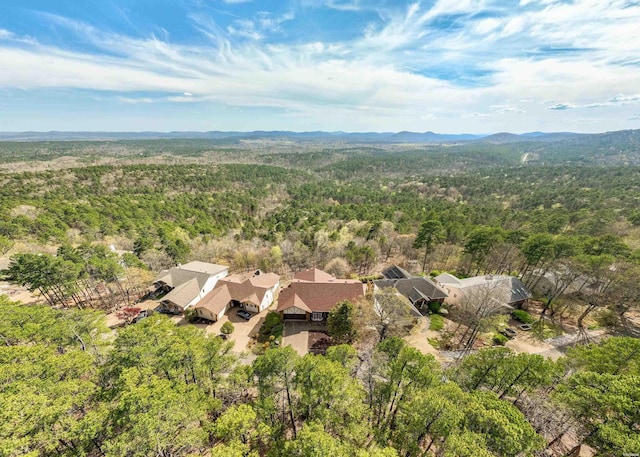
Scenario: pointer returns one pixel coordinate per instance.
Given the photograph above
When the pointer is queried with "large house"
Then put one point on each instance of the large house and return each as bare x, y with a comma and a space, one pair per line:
419, 291
251, 292
507, 291
313, 293
187, 284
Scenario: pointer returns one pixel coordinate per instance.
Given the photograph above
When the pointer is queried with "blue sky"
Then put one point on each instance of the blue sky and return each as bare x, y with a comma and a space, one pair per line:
476, 66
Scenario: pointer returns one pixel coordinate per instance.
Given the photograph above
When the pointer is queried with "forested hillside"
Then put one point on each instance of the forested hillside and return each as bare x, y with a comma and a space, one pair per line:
90, 224
70, 388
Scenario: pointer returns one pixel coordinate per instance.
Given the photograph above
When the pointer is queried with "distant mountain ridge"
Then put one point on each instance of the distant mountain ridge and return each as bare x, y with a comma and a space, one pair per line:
354, 137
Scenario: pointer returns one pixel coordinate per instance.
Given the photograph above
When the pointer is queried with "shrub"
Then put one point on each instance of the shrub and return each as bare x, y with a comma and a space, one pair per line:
272, 326
190, 315
522, 316
437, 322
606, 318
227, 328
435, 307
500, 339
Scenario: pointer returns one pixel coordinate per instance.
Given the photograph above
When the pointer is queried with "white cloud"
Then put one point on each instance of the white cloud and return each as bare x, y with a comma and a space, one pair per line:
390, 73
486, 26
620, 98
134, 101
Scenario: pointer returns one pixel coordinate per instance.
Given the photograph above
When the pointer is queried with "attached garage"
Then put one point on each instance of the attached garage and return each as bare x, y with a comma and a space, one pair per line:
294, 313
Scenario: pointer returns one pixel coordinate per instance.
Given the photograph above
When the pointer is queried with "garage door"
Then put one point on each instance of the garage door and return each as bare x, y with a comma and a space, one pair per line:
296, 317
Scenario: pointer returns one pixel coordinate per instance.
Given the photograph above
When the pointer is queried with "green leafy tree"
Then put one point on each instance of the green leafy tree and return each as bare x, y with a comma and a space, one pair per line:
5, 244
607, 407
616, 355
157, 416
275, 371
227, 328
341, 322
328, 393
431, 232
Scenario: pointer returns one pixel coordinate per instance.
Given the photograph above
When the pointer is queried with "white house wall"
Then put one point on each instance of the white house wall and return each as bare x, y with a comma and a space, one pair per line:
208, 287
268, 298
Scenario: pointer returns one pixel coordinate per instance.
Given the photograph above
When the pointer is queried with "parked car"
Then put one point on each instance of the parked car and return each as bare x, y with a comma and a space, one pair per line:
243, 314
509, 333
525, 327
162, 309
143, 314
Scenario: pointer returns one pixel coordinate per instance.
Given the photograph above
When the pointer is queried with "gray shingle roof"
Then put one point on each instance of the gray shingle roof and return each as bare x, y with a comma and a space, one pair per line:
395, 272
414, 288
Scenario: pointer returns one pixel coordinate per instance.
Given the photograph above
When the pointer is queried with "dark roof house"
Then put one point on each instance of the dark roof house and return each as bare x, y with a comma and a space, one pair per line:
395, 272
419, 290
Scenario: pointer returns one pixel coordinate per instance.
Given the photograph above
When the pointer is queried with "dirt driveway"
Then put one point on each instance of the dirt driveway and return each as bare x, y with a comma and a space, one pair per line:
418, 339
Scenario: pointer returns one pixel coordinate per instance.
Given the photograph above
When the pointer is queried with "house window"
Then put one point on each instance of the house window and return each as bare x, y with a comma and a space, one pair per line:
316, 317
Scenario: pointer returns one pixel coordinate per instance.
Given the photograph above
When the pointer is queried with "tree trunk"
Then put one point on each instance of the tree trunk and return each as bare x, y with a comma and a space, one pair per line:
289, 402
586, 312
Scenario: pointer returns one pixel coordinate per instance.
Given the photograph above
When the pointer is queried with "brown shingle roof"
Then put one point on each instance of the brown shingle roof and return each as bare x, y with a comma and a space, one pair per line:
313, 275
320, 295
240, 287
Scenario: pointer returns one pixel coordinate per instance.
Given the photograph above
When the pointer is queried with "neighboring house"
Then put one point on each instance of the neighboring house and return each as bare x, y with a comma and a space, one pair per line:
187, 284
508, 291
252, 292
419, 291
313, 293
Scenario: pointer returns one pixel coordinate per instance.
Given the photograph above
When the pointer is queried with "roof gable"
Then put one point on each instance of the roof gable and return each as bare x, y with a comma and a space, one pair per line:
240, 287
448, 279
184, 293
313, 275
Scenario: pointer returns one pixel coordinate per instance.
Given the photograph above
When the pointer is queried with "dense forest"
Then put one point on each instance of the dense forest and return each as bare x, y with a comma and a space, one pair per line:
92, 221
71, 388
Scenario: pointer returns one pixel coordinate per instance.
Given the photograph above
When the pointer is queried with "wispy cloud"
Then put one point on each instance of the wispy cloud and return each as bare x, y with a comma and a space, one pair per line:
619, 99
561, 106
454, 59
